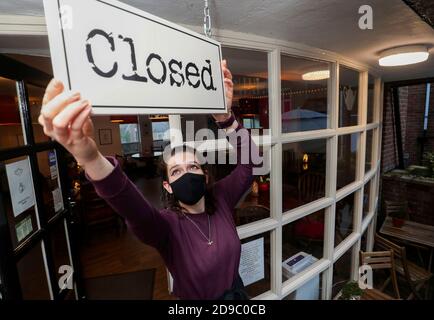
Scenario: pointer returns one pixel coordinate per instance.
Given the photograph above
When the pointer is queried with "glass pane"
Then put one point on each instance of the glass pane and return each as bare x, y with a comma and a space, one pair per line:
18, 198
311, 290
371, 85
363, 241
342, 272
368, 159
304, 94
250, 100
255, 204
49, 181
347, 158
36, 94
366, 198
59, 249
33, 276
344, 218
302, 243
303, 172
348, 97
260, 284
11, 132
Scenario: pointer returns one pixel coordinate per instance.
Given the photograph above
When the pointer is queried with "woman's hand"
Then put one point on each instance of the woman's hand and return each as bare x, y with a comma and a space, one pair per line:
65, 118
229, 89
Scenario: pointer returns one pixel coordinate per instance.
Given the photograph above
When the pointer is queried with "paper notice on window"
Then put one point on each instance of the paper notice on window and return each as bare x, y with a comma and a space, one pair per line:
252, 261
52, 162
57, 199
20, 186
24, 228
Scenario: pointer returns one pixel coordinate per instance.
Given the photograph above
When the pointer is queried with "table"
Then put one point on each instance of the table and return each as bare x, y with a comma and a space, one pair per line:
413, 232
374, 294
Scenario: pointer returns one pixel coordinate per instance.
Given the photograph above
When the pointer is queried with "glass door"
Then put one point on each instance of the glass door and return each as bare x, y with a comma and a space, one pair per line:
37, 254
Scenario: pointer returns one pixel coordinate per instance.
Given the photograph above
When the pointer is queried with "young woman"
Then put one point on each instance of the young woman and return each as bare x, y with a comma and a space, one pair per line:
196, 233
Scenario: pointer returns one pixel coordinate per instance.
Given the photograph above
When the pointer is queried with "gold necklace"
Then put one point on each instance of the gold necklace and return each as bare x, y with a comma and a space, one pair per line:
208, 239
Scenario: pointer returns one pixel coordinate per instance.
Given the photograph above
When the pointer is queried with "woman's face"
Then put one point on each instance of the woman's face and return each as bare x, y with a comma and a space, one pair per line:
178, 165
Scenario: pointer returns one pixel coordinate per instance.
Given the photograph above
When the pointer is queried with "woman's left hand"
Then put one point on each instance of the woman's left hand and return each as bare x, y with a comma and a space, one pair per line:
229, 90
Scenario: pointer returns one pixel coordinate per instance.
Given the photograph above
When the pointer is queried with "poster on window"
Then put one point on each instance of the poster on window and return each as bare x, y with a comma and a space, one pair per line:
127, 61
252, 261
20, 186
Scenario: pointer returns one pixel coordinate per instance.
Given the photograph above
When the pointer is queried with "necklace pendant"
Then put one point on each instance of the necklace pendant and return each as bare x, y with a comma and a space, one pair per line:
210, 242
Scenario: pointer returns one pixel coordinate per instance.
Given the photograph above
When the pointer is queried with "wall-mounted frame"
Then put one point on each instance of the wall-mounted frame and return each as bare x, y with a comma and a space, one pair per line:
105, 136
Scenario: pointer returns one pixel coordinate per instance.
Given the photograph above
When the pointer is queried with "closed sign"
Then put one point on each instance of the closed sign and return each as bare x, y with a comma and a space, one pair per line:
126, 61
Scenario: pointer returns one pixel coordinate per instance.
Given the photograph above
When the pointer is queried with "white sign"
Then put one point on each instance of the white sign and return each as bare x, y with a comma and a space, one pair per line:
24, 228
20, 186
126, 61
57, 200
252, 261
52, 163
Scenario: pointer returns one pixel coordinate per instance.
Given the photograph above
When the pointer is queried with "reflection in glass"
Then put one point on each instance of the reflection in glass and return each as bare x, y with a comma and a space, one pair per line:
371, 86
255, 204
303, 172
250, 100
36, 95
11, 132
344, 218
303, 236
49, 181
366, 195
262, 285
32, 275
347, 158
368, 159
348, 97
342, 272
304, 94
311, 290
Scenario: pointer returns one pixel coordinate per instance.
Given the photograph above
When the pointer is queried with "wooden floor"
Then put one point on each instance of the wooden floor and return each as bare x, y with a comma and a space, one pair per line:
106, 253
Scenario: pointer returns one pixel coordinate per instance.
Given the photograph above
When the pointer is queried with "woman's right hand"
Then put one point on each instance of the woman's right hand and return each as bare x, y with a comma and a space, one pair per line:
65, 118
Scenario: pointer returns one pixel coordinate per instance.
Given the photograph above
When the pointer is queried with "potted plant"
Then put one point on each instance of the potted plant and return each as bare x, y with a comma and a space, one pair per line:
398, 217
351, 291
264, 183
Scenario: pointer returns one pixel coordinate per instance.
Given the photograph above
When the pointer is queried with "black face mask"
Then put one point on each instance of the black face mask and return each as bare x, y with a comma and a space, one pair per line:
189, 188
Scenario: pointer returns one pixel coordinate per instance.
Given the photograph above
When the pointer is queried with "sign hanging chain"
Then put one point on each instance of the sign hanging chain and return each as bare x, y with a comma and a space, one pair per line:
207, 20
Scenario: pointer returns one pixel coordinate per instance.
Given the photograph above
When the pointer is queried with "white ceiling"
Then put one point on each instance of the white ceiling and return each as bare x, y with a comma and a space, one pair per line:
326, 24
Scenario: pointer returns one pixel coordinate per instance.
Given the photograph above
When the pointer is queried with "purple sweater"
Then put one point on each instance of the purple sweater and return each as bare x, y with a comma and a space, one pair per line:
199, 270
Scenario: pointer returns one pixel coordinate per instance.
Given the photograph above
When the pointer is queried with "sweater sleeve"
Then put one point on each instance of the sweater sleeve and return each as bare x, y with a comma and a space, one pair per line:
233, 186
143, 219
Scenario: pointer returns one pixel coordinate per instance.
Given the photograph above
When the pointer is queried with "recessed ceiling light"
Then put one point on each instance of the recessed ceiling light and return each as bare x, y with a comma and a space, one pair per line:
316, 75
403, 56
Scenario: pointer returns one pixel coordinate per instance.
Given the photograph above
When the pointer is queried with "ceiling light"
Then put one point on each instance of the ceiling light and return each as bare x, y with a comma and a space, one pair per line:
316, 75
403, 56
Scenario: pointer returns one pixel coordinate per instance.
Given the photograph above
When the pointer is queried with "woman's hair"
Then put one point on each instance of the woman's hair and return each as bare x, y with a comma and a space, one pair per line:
169, 199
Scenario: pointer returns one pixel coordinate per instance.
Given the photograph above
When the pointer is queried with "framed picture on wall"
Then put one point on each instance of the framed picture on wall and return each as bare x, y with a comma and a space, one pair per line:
105, 136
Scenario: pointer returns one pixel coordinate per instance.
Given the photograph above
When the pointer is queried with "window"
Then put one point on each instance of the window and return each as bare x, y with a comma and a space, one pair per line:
347, 159
303, 172
304, 94
348, 97
130, 138
344, 219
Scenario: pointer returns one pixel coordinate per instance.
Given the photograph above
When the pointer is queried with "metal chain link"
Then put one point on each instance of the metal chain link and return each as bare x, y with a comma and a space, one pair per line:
207, 20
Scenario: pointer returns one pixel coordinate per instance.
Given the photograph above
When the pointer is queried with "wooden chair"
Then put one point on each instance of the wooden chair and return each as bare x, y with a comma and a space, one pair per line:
381, 260
415, 276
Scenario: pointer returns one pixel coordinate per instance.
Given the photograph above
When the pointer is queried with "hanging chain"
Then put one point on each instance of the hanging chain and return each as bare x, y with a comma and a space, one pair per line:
207, 20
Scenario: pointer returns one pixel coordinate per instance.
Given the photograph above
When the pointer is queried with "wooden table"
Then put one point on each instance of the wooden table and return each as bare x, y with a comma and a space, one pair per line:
413, 232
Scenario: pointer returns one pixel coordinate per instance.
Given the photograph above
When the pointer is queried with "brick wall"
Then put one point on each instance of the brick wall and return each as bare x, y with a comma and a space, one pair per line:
412, 108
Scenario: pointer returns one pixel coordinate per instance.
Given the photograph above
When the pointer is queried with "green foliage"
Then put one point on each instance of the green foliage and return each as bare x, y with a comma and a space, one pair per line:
351, 289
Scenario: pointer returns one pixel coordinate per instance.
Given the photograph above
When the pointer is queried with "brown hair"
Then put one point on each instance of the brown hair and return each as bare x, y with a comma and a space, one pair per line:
169, 199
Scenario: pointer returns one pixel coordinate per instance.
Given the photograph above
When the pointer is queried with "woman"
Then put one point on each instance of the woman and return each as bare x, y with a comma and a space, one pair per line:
196, 235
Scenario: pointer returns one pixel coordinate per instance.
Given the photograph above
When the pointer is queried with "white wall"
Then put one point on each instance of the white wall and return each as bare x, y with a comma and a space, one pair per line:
103, 122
